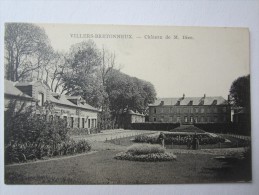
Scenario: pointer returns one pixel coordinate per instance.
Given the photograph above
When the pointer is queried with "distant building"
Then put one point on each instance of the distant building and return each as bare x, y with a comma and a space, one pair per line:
190, 110
129, 117
73, 109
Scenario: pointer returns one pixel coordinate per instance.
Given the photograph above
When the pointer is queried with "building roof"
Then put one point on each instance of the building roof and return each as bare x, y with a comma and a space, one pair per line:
184, 101
63, 99
10, 89
131, 112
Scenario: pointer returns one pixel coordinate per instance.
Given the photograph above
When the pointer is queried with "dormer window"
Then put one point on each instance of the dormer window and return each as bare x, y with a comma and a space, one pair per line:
40, 99
215, 102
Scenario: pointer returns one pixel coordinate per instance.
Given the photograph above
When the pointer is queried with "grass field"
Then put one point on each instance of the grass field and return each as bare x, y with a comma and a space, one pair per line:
191, 166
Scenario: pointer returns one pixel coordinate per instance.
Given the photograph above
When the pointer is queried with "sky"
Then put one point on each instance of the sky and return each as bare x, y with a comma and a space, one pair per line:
177, 60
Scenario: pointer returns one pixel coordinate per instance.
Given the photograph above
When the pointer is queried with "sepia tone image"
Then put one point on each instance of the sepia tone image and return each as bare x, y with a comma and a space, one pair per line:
111, 104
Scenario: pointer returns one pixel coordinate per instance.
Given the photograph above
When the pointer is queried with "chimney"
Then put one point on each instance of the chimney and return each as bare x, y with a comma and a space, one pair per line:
183, 96
162, 103
204, 96
228, 98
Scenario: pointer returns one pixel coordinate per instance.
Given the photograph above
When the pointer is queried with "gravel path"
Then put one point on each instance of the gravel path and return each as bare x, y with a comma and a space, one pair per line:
111, 134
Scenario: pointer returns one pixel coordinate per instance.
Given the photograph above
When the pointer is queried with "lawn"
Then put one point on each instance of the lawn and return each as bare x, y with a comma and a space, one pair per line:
101, 168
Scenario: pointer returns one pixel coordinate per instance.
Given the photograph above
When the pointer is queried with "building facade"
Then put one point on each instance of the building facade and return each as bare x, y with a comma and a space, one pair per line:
190, 110
76, 112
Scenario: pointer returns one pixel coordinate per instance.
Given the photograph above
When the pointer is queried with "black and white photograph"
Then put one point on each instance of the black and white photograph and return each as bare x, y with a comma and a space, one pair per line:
126, 104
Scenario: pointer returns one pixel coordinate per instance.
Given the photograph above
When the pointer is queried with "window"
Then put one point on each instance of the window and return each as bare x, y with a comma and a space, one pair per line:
208, 110
202, 119
155, 110
162, 110
154, 119
202, 110
191, 110
83, 123
50, 118
72, 122
196, 119
208, 119
171, 118
89, 123
224, 109
41, 99
215, 109
215, 119
92, 123
186, 119
78, 122
191, 119
178, 110
178, 119
196, 110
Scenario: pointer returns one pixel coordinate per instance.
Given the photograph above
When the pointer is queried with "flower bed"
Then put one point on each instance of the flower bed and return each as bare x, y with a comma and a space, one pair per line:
146, 153
179, 139
22, 152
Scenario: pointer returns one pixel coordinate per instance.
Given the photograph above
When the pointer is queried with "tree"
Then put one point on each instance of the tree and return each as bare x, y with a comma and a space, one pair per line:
240, 92
82, 76
27, 48
128, 93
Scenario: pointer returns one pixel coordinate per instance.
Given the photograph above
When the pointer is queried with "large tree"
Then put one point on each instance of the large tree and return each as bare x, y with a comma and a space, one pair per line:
128, 93
82, 76
27, 48
240, 92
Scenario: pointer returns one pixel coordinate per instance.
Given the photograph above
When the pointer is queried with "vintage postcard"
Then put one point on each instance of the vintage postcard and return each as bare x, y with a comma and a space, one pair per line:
110, 104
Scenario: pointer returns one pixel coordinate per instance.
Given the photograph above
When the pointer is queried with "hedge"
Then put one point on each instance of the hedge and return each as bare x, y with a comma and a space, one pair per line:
154, 126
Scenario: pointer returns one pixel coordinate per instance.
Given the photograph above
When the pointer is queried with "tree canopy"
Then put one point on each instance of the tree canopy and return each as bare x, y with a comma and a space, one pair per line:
240, 92
27, 49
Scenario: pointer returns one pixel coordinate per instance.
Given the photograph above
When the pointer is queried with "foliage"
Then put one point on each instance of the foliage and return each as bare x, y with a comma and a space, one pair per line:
153, 157
27, 48
216, 127
154, 126
128, 93
82, 77
28, 136
240, 92
145, 139
179, 139
139, 149
145, 152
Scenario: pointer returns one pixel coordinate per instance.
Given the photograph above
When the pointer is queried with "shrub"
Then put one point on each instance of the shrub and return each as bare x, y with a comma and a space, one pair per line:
145, 139
146, 157
179, 139
145, 152
154, 126
139, 149
28, 137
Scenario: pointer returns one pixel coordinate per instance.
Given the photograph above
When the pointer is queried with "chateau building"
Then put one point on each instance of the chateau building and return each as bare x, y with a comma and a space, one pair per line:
190, 110
73, 109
